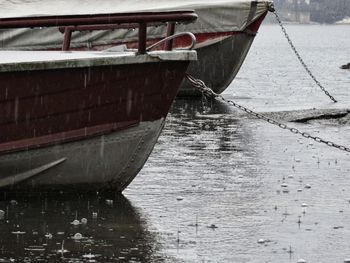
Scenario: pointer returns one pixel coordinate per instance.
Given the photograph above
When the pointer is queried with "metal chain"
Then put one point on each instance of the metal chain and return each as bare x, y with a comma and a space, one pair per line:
273, 10
210, 93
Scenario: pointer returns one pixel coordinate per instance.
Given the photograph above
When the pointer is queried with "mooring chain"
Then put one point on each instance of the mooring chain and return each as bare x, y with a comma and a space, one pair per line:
211, 94
273, 10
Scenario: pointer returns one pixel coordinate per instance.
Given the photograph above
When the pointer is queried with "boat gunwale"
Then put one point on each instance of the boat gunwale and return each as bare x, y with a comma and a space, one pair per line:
96, 59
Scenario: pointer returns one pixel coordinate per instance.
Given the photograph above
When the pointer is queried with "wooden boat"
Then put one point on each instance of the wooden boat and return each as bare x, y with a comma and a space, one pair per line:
225, 30
84, 119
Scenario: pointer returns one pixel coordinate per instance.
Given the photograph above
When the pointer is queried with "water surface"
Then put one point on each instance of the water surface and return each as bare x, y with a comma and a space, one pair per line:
228, 168
213, 188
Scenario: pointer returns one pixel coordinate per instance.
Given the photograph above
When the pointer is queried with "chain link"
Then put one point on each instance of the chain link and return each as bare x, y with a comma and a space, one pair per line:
211, 94
272, 9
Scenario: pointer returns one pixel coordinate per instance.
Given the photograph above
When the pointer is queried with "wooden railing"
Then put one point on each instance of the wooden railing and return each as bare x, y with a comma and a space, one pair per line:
72, 23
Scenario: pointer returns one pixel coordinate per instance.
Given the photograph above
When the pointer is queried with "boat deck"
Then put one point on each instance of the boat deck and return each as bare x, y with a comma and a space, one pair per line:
39, 60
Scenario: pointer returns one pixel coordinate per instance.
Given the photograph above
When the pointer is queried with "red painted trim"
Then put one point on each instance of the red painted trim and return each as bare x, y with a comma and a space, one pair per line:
179, 42
254, 27
142, 38
170, 32
203, 37
64, 137
67, 39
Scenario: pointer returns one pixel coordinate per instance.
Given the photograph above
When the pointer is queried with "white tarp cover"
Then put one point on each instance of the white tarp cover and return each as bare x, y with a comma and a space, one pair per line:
213, 16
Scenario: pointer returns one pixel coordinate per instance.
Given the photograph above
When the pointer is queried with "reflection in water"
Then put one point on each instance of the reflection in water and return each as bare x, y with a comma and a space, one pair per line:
72, 227
219, 120
206, 156
221, 186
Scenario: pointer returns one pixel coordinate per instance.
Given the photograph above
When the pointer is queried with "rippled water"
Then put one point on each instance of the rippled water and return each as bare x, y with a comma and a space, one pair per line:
229, 167
212, 190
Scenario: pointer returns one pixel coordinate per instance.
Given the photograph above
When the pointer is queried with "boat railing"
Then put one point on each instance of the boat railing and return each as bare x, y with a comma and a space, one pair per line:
72, 23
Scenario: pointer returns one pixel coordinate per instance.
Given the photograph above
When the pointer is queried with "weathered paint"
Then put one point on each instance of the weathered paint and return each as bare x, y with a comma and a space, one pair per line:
103, 120
43, 105
107, 162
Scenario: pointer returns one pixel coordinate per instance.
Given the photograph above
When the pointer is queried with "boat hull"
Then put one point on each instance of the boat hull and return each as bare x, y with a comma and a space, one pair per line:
107, 162
69, 126
223, 41
218, 63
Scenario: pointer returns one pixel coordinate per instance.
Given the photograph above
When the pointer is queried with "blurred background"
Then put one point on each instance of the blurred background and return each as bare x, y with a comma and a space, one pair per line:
314, 11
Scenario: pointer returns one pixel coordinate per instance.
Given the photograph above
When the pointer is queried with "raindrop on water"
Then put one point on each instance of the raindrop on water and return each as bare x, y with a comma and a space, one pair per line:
261, 241
75, 222
109, 202
13, 202
77, 236
48, 235
89, 256
2, 214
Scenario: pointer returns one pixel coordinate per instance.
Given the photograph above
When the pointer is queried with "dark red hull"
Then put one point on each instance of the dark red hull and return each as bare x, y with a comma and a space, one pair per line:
83, 121
38, 109
86, 120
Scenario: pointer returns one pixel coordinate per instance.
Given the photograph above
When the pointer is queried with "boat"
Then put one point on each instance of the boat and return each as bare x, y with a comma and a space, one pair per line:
345, 66
344, 21
85, 120
225, 30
